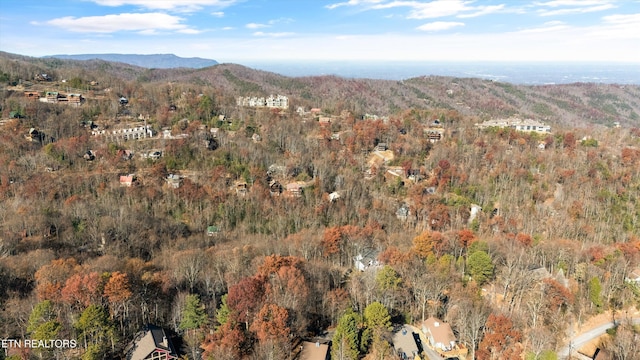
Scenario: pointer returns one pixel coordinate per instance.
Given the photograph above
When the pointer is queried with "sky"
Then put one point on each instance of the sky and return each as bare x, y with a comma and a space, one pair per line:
242, 31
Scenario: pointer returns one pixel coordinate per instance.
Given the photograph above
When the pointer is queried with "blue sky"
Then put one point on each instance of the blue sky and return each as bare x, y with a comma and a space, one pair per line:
328, 30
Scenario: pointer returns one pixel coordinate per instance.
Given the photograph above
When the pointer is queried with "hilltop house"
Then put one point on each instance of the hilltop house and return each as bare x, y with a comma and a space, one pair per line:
51, 97
403, 212
126, 133
42, 77
212, 230
295, 189
32, 95
634, 276
54, 97
275, 102
439, 334
517, 124
151, 344
241, 188
127, 180
34, 135
314, 351
434, 131
366, 259
75, 99
275, 188
174, 181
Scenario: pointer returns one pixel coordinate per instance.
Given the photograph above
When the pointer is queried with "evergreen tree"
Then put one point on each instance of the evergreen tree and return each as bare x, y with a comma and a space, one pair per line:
95, 331
377, 323
345, 340
595, 290
193, 314
193, 318
43, 325
480, 267
223, 314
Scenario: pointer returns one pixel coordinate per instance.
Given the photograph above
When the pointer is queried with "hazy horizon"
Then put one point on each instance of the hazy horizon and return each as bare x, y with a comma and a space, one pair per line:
328, 30
532, 73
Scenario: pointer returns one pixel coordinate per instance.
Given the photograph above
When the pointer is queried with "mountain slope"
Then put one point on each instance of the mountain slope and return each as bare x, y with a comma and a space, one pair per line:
159, 61
567, 105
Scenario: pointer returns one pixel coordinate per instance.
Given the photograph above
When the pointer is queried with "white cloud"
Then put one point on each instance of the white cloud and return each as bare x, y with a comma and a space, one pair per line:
483, 10
189, 31
576, 10
623, 19
619, 26
272, 34
218, 14
436, 9
281, 21
270, 23
177, 5
255, 26
579, 3
426, 10
352, 3
544, 29
146, 23
439, 26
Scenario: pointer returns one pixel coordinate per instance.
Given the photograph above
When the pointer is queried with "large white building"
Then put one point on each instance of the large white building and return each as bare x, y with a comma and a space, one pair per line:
278, 101
517, 124
129, 133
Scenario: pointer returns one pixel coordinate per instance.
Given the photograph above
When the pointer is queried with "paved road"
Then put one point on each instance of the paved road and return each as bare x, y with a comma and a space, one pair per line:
431, 354
579, 341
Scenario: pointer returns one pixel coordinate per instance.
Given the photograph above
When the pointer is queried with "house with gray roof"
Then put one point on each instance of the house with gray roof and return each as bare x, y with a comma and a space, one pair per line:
151, 344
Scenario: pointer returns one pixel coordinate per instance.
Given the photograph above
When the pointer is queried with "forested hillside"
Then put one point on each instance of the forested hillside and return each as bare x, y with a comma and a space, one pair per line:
236, 228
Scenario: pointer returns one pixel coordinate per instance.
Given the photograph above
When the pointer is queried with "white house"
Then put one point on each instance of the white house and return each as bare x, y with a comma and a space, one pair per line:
439, 334
634, 276
517, 124
127, 133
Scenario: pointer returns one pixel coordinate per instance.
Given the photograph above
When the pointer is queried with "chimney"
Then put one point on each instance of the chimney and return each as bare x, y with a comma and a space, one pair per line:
317, 343
436, 324
165, 342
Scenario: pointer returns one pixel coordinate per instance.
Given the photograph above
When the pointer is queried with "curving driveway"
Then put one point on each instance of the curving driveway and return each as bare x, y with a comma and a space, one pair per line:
580, 341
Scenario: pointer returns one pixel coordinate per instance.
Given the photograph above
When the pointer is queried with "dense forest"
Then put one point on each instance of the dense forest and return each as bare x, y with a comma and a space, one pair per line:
514, 238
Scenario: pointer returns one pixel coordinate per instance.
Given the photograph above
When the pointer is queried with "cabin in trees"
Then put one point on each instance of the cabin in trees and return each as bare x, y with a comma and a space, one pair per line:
404, 212
366, 259
314, 351
51, 97
517, 124
127, 180
275, 188
54, 97
212, 230
151, 344
34, 135
32, 95
42, 77
434, 132
241, 188
174, 181
634, 276
295, 189
441, 338
407, 344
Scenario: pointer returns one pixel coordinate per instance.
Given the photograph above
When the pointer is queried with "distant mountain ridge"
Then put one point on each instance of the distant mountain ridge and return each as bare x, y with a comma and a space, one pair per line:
155, 61
569, 105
